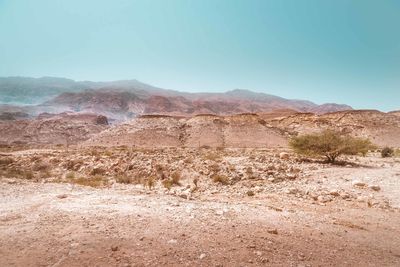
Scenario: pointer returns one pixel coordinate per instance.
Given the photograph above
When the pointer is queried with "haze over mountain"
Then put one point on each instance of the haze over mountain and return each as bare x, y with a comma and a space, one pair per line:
121, 100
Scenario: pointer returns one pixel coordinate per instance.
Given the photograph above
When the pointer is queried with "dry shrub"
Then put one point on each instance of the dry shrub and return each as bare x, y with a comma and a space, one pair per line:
215, 167
41, 166
175, 178
387, 152
70, 175
73, 164
18, 173
173, 181
98, 171
167, 184
92, 181
123, 179
29, 175
151, 182
222, 179
45, 174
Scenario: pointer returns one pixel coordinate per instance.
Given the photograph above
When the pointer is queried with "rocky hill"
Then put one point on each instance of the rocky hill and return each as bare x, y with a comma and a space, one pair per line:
52, 129
246, 130
382, 128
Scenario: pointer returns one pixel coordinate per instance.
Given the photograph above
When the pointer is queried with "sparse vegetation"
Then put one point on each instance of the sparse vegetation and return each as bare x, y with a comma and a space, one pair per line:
173, 181
175, 178
98, 171
330, 144
387, 152
123, 179
151, 182
70, 175
92, 181
222, 179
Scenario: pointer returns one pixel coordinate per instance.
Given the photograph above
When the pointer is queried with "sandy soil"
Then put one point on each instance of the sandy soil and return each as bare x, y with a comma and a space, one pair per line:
61, 224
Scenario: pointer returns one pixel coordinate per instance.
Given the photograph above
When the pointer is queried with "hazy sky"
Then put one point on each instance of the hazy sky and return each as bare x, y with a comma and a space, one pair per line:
343, 51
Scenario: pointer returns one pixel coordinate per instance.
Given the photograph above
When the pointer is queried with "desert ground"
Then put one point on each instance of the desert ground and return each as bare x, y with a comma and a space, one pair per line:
126, 206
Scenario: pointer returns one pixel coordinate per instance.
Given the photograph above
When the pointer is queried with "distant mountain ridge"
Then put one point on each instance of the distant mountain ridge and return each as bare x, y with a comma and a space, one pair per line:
121, 100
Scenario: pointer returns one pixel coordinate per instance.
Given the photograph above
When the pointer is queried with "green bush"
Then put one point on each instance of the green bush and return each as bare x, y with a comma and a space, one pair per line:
330, 144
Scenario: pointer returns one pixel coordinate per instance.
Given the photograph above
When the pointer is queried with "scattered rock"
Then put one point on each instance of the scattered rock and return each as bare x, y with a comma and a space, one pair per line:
324, 199
172, 241
284, 155
250, 193
114, 248
358, 183
334, 192
272, 231
219, 212
375, 187
61, 196
202, 256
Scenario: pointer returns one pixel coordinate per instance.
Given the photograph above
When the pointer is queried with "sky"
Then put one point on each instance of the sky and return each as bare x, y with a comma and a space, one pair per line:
342, 51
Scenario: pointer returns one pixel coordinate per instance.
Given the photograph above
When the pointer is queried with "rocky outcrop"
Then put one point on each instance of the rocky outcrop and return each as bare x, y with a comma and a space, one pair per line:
382, 128
246, 130
52, 129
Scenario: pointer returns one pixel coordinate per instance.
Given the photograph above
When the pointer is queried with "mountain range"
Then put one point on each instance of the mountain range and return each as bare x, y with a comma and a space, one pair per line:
122, 100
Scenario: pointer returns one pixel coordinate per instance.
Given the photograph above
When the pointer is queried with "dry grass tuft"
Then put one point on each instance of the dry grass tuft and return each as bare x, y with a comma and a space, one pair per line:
222, 179
124, 179
70, 175
175, 178
93, 181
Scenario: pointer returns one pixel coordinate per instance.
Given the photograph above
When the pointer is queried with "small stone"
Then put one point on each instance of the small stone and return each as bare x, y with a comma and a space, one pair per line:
324, 199
284, 155
362, 199
172, 241
334, 192
202, 256
358, 183
219, 212
272, 231
62, 196
114, 248
375, 187
344, 195
250, 193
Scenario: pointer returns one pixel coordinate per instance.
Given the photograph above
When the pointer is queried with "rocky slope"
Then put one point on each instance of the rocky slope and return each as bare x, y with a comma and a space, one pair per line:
246, 130
382, 128
52, 129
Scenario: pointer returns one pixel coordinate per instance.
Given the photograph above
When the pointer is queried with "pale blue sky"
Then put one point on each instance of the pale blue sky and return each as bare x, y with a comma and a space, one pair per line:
343, 51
